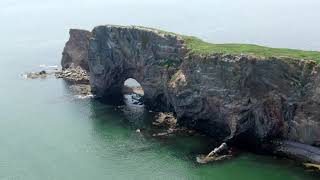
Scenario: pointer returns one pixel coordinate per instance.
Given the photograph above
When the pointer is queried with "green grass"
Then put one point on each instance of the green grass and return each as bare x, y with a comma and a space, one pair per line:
198, 46
168, 63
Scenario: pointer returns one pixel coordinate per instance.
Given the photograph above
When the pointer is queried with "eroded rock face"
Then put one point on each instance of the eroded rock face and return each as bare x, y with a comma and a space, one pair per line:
119, 53
248, 99
242, 98
75, 52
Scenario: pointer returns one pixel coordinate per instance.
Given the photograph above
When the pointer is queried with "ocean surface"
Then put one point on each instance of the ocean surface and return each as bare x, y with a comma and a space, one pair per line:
47, 133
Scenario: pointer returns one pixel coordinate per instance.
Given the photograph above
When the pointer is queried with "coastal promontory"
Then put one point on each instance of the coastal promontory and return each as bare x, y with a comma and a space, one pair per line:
240, 93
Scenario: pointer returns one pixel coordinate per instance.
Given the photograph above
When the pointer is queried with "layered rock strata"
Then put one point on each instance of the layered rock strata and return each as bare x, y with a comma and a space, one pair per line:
237, 98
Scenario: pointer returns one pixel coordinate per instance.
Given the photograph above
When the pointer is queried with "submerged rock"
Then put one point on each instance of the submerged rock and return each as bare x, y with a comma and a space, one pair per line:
203, 159
81, 89
35, 75
174, 131
218, 154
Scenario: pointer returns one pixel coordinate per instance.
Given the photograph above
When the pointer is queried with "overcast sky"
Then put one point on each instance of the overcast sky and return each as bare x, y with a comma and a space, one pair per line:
277, 23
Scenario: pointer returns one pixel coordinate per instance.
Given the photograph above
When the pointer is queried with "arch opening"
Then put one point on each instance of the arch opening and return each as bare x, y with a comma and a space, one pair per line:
132, 92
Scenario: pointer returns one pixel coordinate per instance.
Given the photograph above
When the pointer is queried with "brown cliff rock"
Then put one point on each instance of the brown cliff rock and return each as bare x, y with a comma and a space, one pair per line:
75, 52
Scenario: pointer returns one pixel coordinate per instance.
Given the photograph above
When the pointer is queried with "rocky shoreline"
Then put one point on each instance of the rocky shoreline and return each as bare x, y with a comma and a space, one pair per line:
76, 77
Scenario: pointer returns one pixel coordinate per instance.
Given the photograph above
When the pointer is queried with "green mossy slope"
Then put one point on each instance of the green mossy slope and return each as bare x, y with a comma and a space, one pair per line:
198, 46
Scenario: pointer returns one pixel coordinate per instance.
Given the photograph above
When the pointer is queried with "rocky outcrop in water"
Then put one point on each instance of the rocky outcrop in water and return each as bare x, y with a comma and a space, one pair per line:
74, 64
236, 98
231, 97
36, 75
75, 75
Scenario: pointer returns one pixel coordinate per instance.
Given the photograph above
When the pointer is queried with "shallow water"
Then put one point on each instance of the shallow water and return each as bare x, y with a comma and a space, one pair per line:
48, 133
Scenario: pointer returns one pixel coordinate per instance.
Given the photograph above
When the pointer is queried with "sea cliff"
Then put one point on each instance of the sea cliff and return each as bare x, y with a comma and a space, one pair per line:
243, 94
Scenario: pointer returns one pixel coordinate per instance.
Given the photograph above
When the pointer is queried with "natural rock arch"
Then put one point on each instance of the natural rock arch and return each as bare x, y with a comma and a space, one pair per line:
118, 53
132, 89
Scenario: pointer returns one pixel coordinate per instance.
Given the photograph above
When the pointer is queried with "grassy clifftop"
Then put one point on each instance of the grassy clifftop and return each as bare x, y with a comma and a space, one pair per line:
198, 46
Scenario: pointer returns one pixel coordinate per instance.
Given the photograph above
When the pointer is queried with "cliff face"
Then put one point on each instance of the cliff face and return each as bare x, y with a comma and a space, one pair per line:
243, 98
247, 98
75, 52
119, 53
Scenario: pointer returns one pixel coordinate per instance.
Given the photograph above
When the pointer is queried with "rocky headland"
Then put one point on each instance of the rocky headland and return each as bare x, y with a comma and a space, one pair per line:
74, 64
246, 95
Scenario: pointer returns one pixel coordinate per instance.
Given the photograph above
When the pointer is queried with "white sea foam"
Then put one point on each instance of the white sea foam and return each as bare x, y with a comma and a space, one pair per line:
84, 96
48, 66
25, 76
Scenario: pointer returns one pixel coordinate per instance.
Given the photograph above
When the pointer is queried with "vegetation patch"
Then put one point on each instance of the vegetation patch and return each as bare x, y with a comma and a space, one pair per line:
197, 46
168, 63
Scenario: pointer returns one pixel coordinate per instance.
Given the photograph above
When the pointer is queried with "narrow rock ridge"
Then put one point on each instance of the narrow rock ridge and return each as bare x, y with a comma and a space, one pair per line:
238, 98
